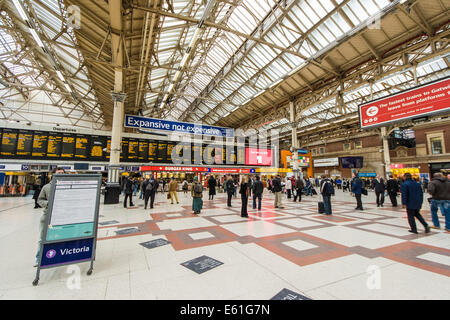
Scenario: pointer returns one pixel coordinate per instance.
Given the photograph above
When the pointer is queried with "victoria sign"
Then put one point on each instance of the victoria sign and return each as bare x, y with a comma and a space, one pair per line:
430, 98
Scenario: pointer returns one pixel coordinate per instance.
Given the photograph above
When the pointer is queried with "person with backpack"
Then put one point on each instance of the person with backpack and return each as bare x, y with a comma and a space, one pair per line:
197, 193
230, 190
185, 187
128, 192
298, 187
150, 187
277, 188
327, 190
243, 191
258, 190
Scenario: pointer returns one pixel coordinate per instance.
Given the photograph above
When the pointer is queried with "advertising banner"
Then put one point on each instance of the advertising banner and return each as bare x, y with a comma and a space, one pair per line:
174, 126
328, 162
174, 168
255, 157
430, 98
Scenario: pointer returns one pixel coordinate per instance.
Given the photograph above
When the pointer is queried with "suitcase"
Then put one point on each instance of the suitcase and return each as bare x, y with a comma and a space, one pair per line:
321, 207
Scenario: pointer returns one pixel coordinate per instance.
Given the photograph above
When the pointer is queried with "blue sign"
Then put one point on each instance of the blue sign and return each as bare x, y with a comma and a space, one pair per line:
2, 166
302, 151
25, 167
182, 127
54, 254
252, 170
367, 174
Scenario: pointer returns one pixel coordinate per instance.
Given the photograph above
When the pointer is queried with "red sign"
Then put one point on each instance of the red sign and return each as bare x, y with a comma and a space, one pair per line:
419, 101
229, 170
258, 157
174, 168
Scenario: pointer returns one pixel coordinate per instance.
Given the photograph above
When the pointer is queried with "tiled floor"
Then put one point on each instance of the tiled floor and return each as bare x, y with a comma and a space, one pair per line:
350, 255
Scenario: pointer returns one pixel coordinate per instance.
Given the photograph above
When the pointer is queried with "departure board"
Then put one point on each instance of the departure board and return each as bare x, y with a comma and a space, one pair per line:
108, 148
197, 153
82, 147
133, 150
219, 155
68, 146
179, 151
9, 142
98, 143
124, 153
208, 155
230, 155
40, 141
143, 150
240, 155
161, 154
24, 143
170, 147
152, 150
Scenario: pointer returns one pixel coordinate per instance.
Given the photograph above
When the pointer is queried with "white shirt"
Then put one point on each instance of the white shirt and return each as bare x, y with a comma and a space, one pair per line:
289, 184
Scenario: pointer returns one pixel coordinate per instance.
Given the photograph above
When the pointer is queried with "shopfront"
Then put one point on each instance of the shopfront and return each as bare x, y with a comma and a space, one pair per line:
443, 167
399, 170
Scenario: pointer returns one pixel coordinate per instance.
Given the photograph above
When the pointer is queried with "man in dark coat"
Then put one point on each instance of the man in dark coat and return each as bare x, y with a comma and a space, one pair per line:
212, 183
129, 183
298, 187
230, 190
150, 187
258, 190
357, 187
379, 188
327, 190
412, 198
439, 189
276, 188
392, 188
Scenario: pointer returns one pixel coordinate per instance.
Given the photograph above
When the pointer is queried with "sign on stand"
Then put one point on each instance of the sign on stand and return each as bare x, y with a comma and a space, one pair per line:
70, 231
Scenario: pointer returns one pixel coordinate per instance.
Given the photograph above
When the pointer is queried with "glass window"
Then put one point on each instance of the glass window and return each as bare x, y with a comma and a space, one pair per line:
436, 145
322, 150
358, 144
313, 152
346, 146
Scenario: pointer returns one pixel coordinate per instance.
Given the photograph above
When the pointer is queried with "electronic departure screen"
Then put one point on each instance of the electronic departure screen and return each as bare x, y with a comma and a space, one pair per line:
197, 154
98, 143
133, 150
219, 155
143, 151
161, 154
230, 155
179, 151
82, 147
40, 141
152, 150
170, 147
240, 155
124, 153
108, 148
24, 143
68, 146
9, 142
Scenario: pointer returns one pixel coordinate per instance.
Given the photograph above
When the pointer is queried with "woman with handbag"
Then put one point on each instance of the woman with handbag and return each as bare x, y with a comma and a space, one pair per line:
244, 196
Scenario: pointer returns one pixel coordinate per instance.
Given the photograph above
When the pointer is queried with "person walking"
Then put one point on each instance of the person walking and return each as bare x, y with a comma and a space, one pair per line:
235, 187
298, 187
258, 190
37, 190
412, 198
327, 190
173, 188
243, 191
357, 187
150, 187
141, 188
439, 189
185, 187
339, 183
212, 187
197, 193
308, 187
379, 187
277, 188
251, 181
392, 188
289, 188
135, 186
128, 192
43, 198
230, 190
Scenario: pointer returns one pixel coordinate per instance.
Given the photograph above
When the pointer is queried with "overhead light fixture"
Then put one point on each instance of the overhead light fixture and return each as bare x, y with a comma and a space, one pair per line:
20, 10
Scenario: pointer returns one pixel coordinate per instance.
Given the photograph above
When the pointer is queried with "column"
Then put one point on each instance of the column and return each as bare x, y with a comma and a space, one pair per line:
116, 138
387, 158
294, 138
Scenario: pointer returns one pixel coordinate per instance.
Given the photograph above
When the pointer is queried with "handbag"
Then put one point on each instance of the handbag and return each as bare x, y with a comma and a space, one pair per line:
364, 191
168, 196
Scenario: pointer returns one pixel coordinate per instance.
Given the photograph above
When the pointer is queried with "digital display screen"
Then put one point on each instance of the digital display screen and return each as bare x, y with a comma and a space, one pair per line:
133, 150
143, 150
25, 143
124, 153
197, 154
170, 147
152, 150
352, 162
161, 155
98, 143
68, 146
108, 148
240, 155
230, 155
9, 142
258, 157
81, 147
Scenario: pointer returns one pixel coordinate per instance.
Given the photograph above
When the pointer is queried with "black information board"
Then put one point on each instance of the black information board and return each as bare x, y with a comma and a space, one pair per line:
9, 142
133, 150
197, 154
53, 144
24, 143
161, 153
143, 151
152, 150
68, 146
98, 143
169, 149
124, 153
82, 146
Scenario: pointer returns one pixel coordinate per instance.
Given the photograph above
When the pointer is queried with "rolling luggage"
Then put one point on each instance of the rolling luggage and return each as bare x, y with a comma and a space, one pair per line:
321, 207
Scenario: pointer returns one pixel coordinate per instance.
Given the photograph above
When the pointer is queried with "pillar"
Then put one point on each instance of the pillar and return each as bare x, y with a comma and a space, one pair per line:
386, 156
116, 138
294, 138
